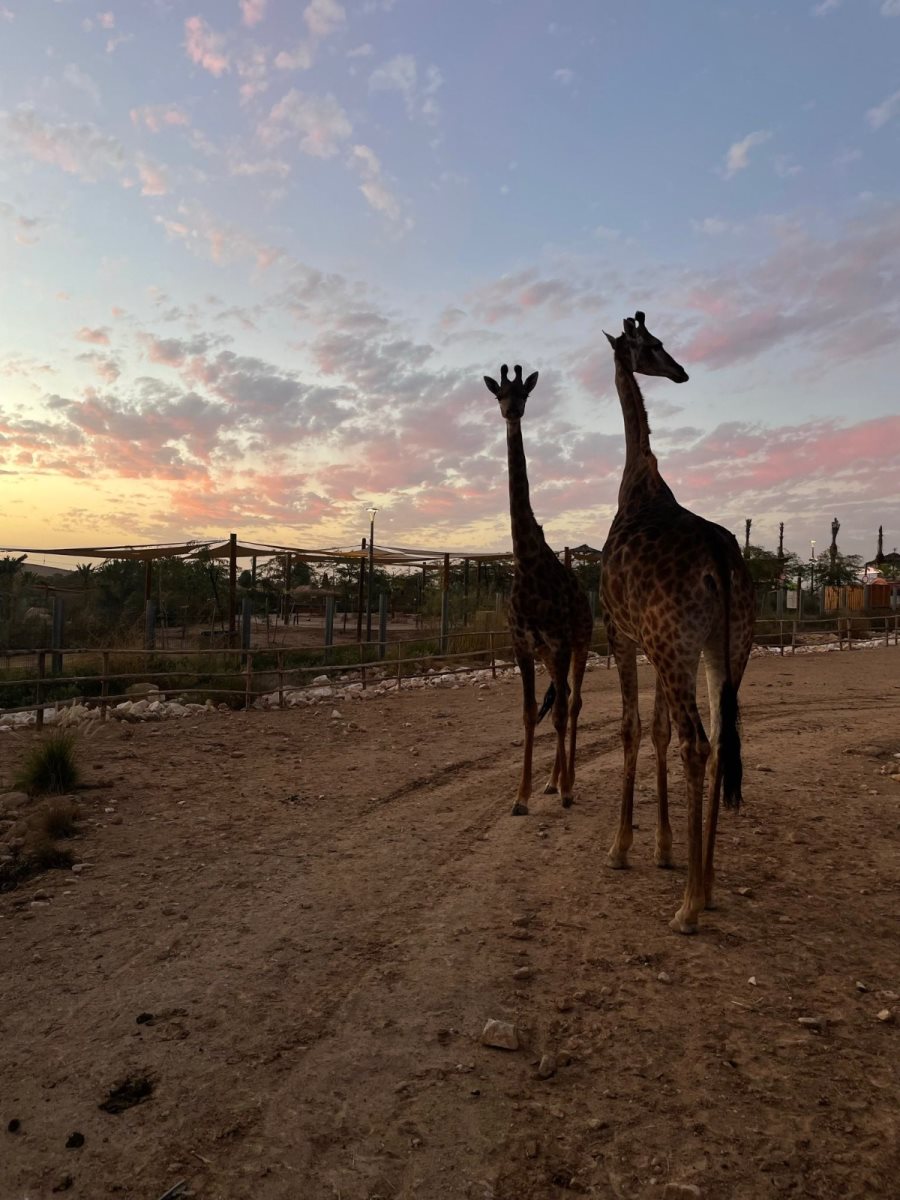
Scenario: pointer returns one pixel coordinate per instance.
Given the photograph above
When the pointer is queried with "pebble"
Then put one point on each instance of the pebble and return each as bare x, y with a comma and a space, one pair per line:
523, 973
500, 1034
745, 891
75, 1141
664, 977
681, 1191
886, 1015
861, 987
547, 1066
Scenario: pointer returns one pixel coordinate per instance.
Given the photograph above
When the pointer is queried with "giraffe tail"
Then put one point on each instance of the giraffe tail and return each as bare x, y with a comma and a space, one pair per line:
729, 714
549, 700
730, 745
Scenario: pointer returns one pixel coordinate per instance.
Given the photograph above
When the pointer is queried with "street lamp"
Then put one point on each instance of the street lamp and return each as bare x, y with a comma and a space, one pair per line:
371, 512
812, 564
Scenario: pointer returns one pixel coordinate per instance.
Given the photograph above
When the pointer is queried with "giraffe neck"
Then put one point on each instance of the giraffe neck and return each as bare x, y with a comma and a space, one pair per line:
641, 470
527, 535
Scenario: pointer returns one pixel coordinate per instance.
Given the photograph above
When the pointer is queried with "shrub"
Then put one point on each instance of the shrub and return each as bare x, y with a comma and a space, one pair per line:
50, 766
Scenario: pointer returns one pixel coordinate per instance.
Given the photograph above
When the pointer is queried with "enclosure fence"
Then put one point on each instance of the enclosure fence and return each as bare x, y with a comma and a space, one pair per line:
98, 678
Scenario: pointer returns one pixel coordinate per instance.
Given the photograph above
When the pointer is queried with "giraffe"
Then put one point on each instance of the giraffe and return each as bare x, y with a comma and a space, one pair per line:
676, 585
549, 615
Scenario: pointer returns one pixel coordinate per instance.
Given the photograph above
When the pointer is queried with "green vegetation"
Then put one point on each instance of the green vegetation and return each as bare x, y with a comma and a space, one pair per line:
50, 766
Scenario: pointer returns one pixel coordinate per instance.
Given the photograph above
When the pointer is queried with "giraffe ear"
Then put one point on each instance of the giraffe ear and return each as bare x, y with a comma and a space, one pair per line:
530, 382
609, 337
492, 385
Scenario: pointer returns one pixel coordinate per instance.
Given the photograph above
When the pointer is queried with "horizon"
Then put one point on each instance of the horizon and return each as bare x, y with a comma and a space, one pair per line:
255, 259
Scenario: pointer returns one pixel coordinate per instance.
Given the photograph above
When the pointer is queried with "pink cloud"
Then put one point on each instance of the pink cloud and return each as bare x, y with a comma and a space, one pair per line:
78, 149
156, 117
204, 47
154, 181
96, 337
252, 11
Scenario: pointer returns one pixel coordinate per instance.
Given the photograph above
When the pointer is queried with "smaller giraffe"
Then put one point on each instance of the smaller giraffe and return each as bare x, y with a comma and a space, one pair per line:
549, 615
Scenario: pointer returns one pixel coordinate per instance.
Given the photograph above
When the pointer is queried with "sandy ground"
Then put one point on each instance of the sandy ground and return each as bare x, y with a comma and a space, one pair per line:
294, 928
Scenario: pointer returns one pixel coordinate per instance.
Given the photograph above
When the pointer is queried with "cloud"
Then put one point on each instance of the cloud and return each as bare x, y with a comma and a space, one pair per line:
838, 296
890, 8
96, 337
377, 193
565, 76
76, 78
157, 117
153, 177
400, 74
207, 235
363, 51
204, 47
318, 123
825, 7
25, 227
714, 226
885, 111
78, 149
298, 59
324, 17
252, 11
737, 157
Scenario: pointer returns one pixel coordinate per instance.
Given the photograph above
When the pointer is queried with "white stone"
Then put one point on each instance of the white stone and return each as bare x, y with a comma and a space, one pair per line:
500, 1034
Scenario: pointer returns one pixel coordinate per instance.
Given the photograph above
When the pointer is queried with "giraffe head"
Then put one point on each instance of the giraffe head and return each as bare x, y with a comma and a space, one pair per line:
511, 393
644, 352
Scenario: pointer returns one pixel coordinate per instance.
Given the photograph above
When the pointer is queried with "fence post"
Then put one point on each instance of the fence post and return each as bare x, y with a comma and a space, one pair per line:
42, 671
362, 664
329, 625
249, 675
382, 624
232, 590
246, 614
493, 657
149, 625
56, 634
399, 666
445, 604
849, 634
104, 686
279, 665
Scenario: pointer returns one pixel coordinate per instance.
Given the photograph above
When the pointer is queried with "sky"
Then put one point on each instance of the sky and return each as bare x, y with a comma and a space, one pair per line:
256, 256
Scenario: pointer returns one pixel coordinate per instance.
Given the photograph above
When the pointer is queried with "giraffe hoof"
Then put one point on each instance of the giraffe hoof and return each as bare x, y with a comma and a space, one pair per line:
568, 801
520, 809
683, 924
710, 904
618, 861
663, 859
551, 789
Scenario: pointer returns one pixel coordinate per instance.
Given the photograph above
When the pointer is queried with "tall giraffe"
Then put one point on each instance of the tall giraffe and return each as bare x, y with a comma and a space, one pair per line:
549, 615
676, 585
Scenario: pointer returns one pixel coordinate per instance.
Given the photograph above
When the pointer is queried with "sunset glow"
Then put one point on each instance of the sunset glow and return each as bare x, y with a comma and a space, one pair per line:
256, 255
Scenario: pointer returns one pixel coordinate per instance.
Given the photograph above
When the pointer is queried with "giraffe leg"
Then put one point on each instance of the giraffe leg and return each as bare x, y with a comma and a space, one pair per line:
551, 787
695, 751
625, 652
579, 664
529, 719
662, 733
561, 722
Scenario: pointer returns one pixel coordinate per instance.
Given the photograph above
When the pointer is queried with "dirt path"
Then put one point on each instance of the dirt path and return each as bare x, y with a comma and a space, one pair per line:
314, 918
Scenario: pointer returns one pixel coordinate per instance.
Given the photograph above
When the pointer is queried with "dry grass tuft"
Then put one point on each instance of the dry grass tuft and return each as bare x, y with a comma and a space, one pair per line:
50, 767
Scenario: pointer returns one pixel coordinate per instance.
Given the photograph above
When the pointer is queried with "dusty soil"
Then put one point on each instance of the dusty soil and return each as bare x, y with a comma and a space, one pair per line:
292, 932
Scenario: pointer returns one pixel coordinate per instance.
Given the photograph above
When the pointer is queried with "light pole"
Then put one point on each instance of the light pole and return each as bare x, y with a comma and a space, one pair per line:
372, 512
812, 565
